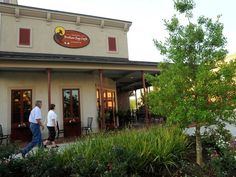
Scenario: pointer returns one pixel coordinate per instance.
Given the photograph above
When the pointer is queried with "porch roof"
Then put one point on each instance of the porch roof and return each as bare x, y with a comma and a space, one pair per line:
127, 74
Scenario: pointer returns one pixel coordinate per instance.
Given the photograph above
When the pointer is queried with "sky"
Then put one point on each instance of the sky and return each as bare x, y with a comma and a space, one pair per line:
147, 19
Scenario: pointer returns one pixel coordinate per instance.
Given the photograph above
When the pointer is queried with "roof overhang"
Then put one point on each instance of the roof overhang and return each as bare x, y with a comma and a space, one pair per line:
127, 74
50, 15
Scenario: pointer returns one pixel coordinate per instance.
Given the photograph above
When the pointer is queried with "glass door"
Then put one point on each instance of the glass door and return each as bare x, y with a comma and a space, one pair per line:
71, 112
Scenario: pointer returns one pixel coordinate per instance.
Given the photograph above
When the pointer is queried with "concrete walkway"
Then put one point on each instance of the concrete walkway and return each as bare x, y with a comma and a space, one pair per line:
62, 143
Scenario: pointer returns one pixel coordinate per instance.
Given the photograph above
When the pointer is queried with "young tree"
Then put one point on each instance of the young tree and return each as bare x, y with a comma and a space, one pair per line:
196, 85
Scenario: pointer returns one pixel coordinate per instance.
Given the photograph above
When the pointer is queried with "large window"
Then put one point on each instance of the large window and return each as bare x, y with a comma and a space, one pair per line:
21, 107
71, 104
109, 99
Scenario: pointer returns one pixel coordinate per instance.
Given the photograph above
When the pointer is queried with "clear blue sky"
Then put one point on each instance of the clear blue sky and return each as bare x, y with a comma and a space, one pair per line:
147, 17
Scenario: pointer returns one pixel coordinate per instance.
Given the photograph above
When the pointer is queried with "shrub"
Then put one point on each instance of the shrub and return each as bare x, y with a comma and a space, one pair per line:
147, 151
7, 150
8, 166
224, 165
45, 163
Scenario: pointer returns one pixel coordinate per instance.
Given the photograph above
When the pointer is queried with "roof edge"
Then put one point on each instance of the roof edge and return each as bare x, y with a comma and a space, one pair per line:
63, 12
21, 56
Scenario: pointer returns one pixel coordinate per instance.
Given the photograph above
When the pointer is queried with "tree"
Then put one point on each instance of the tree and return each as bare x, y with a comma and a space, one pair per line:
196, 85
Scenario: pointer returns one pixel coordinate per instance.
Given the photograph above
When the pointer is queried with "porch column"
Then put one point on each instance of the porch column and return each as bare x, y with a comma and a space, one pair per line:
49, 87
102, 100
147, 122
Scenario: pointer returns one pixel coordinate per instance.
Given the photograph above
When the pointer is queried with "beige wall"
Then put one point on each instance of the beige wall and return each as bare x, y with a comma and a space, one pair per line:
43, 42
38, 83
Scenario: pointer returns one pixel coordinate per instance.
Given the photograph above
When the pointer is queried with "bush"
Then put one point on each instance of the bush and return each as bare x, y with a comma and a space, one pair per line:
130, 152
7, 150
8, 166
219, 154
45, 163
224, 165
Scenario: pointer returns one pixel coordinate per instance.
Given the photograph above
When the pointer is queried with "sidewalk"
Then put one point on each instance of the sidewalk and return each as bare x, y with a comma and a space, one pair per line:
61, 142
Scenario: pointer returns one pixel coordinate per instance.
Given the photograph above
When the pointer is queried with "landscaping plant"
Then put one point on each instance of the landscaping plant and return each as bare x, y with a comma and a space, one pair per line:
130, 153
196, 85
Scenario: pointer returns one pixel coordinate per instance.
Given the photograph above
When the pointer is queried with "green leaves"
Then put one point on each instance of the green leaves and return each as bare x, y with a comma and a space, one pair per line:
196, 85
183, 6
192, 43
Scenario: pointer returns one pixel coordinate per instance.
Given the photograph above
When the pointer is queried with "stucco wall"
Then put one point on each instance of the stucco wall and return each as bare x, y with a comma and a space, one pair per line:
37, 81
43, 42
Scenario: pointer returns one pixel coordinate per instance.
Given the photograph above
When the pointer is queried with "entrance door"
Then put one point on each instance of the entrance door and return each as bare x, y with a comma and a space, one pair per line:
21, 105
71, 112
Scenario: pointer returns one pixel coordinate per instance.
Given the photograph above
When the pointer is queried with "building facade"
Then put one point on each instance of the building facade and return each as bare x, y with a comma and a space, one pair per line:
78, 62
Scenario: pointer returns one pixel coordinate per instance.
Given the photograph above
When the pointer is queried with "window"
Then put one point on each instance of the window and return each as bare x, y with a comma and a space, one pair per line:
112, 44
21, 105
24, 37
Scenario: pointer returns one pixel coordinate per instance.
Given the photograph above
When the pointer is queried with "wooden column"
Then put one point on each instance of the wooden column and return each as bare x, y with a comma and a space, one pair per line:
147, 122
49, 87
102, 114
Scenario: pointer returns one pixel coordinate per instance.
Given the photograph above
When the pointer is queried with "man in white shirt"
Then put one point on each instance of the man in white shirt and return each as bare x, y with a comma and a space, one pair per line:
35, 123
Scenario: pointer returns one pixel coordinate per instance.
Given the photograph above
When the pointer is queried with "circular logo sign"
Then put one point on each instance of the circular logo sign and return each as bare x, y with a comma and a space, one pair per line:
70, 38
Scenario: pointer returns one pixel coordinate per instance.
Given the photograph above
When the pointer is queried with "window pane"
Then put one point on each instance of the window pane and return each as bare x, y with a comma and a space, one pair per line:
109, 104
97, 93
104, 94
75, 103
27, 97
66, 102
109, 94
16, 106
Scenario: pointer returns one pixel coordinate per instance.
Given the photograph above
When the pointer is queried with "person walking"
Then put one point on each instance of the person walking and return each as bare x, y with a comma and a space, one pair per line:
35, 118
51, 125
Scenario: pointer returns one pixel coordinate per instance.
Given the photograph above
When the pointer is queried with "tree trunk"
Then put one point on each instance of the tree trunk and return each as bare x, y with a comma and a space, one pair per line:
198, 146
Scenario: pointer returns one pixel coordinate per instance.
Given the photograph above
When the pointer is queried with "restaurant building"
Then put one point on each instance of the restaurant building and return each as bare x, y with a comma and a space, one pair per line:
78, 62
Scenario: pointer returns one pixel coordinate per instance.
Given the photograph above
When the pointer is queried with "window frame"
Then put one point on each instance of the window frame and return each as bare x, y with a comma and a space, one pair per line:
18, 38
116, 43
